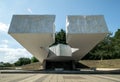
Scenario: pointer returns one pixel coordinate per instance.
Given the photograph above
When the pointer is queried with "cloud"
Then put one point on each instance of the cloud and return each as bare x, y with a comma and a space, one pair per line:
10, 50
3, 27
29, 10
5, 41
12, 54
4, 44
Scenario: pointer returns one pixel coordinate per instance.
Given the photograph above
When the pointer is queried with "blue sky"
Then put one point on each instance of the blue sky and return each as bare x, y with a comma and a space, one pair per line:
9, 48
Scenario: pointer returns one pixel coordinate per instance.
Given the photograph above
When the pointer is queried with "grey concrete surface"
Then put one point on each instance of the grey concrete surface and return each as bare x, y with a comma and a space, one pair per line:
59, 78
79, 71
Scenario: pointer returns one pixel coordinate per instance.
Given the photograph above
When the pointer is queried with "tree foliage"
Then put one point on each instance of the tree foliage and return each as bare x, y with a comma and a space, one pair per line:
34, 59
7, 64
22, 61
109, 48
60, 37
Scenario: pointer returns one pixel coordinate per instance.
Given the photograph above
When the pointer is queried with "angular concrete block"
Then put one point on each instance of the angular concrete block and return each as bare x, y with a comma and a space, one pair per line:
85, 32
61, 50
34, 32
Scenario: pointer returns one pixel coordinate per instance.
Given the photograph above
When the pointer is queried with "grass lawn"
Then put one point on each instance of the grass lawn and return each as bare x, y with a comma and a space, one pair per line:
111, 63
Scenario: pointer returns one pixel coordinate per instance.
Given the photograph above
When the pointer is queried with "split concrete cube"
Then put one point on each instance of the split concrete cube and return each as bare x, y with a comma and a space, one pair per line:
34, 32
85, 32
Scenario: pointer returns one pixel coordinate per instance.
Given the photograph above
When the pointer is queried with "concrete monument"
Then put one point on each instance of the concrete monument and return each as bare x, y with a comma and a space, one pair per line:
37, 32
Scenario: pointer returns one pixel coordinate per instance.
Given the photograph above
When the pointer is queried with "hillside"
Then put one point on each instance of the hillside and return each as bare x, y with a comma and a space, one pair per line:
113, 63
32, 66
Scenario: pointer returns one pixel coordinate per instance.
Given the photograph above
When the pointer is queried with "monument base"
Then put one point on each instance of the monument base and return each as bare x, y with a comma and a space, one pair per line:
61, 63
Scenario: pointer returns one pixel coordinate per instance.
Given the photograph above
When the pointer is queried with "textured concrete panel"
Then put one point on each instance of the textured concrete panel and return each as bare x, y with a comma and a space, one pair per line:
85, 32
32, 24
34, 32
86, 24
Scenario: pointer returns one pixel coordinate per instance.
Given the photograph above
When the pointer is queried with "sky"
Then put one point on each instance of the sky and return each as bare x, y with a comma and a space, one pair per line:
11, 50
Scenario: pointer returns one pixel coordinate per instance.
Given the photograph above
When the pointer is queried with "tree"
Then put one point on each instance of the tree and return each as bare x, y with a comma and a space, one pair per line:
34, 59
116, 44
17, 63
60, 37
2, 64
7, 64
117, 34
22, 61
109, 48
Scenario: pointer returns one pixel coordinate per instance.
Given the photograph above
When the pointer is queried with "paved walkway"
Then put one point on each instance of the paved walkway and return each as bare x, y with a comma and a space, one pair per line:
59, 78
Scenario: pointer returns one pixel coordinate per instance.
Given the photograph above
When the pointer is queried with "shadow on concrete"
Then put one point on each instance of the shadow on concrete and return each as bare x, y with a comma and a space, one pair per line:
81, 71
80, 65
